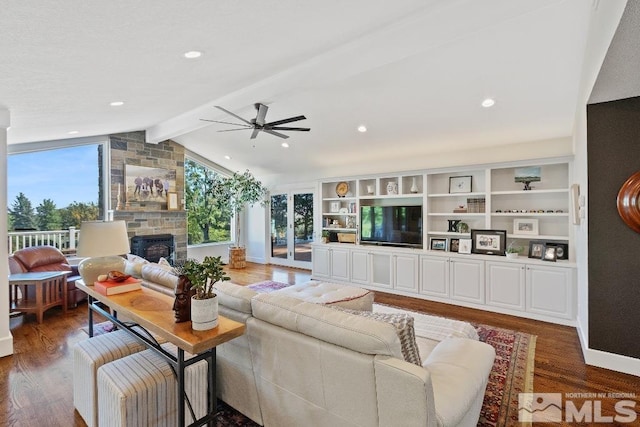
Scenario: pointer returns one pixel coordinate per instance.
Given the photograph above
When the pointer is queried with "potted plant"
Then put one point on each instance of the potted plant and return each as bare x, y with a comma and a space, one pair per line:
513, 251
325, 236
204, 303
233, 194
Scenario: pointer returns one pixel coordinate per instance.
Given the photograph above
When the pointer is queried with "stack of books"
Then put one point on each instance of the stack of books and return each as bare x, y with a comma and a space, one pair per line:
476, 205
109, 287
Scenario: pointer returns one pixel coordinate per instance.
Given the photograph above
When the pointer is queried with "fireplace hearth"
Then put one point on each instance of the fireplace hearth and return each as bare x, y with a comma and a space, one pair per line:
153, 247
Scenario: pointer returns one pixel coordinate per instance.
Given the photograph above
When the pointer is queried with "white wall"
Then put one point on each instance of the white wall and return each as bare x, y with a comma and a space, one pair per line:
6, 339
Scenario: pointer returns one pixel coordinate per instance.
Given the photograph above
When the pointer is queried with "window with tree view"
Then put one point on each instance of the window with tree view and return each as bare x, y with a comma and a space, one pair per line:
205, 222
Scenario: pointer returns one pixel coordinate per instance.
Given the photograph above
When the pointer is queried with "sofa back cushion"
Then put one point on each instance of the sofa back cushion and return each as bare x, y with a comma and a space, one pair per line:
347, 330
234, 296
42, 258
154, 273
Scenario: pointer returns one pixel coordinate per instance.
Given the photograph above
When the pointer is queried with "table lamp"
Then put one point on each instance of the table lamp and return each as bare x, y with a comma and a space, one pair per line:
102, 243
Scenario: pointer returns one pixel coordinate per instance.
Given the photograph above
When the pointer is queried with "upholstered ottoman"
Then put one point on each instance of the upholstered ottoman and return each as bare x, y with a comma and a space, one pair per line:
141, 390
88, 356
328, 293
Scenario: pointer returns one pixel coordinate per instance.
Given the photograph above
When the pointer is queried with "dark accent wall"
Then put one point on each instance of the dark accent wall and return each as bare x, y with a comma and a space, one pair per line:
613, 150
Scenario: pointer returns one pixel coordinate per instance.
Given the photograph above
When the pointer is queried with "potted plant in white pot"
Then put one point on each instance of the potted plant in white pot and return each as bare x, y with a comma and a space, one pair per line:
204, 304
233, 194
513, 251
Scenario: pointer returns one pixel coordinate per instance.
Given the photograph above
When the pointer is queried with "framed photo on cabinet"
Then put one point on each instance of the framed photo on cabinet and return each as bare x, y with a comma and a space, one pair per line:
438, 244
488, 242
464, 246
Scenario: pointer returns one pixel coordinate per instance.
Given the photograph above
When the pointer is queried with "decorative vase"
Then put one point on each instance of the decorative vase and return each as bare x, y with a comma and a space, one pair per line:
204, 313
237, 257
392, 187
414, 185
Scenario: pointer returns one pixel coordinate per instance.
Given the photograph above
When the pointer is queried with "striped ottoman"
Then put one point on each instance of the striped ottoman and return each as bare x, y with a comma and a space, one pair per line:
141, 390
88, 356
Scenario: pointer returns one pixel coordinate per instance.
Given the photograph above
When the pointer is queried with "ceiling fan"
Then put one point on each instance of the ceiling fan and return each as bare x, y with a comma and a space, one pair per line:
258, 124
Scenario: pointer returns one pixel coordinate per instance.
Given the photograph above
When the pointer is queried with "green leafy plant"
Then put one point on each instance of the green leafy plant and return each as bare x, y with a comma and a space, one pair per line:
511, 249
235, 192
203, 275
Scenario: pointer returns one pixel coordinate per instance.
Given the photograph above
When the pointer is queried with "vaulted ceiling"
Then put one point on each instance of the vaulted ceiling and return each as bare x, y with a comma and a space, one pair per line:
414, 72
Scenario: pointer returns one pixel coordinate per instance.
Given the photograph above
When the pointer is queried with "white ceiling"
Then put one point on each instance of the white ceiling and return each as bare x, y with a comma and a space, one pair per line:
413, 71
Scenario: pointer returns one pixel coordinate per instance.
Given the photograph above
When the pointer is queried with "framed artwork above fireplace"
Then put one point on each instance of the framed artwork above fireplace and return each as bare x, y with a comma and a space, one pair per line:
148, 184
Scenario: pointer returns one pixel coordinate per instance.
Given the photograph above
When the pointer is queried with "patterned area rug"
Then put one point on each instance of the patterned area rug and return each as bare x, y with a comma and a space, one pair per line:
267, 286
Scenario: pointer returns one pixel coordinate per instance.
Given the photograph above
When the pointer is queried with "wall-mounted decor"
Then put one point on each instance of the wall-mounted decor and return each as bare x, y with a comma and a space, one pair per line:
488, 242
527, 176
628, 206
525, 226
460, 184
147, 184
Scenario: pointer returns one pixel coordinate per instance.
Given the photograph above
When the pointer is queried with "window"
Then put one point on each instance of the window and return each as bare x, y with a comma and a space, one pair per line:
205, 222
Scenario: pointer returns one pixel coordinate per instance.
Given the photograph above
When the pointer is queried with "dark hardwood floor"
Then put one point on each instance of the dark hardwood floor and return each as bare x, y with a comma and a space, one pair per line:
36, 386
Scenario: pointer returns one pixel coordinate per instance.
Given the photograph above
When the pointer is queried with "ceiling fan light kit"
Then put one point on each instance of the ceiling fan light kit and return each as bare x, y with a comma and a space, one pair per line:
259, 124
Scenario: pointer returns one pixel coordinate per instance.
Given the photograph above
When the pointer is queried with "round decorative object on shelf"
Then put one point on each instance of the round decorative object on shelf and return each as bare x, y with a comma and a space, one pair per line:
342, 189
628, 207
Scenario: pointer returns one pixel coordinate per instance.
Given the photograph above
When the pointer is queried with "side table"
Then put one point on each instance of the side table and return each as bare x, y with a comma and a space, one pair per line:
50, 291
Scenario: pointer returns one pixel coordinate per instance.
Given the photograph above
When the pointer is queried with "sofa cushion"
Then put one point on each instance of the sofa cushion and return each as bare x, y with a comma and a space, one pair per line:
133, 265
403, 322
347, 330
234, 296
328, 293
153, 273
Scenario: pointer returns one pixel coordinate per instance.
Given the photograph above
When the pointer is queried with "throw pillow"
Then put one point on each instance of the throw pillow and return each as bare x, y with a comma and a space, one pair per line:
164, 264
136, 259
404, 328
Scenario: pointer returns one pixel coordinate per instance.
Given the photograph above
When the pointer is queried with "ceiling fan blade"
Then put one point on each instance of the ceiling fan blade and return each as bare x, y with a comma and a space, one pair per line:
234, 115
274, 133
254, 133
287, 128
227, 123
231, 130
289, 120
262, 113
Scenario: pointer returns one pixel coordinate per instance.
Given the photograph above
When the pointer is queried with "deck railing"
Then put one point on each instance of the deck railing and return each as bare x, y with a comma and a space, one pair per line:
65, 240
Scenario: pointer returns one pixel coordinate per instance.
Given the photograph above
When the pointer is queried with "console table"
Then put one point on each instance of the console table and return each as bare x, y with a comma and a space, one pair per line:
50, 291
153, 311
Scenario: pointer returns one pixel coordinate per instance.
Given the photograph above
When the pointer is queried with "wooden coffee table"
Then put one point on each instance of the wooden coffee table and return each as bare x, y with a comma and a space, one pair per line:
50, 291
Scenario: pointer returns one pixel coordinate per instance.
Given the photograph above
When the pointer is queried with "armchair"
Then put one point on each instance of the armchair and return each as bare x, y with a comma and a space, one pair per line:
47, 258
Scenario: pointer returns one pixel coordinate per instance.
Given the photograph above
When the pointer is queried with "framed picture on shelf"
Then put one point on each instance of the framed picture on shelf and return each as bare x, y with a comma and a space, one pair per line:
525, 226
562, 249
464, 246
550, 253
438, 244
460, 184
536, 249
334, 207
488, 242
454, 245
172, 201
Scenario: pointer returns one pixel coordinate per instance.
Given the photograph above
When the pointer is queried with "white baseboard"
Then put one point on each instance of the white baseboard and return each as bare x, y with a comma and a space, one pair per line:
6, 345
257, 260
614, 362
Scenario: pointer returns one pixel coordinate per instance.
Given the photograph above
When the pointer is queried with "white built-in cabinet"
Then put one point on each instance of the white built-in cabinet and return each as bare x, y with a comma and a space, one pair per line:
523, 286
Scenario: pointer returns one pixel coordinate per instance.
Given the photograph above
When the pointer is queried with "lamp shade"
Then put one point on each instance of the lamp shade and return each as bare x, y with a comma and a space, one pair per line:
102, 243
103, 238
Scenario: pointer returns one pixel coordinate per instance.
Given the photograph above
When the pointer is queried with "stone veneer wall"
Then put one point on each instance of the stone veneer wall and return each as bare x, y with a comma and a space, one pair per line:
149, 218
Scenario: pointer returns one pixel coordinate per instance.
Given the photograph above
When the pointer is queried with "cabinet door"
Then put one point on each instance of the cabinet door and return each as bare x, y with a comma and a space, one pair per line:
381, 270
550, 291
321, 266
406, 272
467, 280
340, 264
505, 284
434, 273
360, 267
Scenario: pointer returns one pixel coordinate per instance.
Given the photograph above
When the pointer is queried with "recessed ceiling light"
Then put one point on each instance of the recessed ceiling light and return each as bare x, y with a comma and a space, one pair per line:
72, 132
362, 128
116, 103
285, 145
192, 54
227, 157
488, 103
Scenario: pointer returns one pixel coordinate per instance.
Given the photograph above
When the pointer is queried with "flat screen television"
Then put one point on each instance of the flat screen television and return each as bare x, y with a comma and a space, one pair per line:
391, 225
